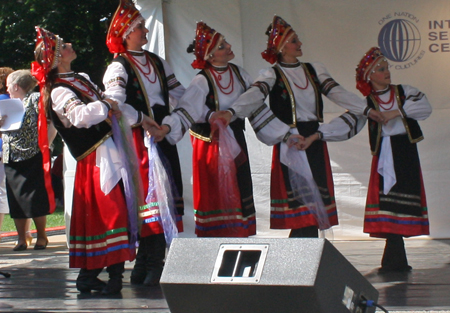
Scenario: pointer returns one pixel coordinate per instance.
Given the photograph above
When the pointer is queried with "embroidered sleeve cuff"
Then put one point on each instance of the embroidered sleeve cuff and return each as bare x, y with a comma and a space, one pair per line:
106, 104
286, 137
367, 111
208, 115
320, 135
170, 128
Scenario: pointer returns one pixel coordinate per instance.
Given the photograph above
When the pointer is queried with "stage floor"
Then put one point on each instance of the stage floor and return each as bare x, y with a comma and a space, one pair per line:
42, 282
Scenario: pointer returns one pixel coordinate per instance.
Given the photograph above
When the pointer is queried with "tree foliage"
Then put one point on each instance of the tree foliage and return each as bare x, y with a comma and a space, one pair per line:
84, 23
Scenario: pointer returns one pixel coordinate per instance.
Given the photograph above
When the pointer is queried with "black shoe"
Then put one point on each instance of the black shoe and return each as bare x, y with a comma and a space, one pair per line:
153, 276
41, 247
137, 277
20, 247
86, 286
114, 286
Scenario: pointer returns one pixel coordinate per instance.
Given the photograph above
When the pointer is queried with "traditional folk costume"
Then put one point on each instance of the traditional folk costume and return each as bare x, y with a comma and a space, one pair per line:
296, 106
99, 223
215, 89
396, 204
144, 82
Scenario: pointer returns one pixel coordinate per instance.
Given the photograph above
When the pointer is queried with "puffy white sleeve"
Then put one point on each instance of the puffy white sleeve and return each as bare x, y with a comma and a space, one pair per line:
338, 94
416, 104
268, 128
254, 97
342, 127
72, 111
191, 109
115, 81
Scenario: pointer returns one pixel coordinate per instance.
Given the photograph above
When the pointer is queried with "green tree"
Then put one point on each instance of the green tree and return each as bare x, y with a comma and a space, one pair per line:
84, 23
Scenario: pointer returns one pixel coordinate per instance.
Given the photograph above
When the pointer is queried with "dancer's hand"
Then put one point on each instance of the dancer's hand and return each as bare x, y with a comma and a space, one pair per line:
295, 140
158, 133
148, 123
2, 119
390, 115
308, 141
376, 116
223, 115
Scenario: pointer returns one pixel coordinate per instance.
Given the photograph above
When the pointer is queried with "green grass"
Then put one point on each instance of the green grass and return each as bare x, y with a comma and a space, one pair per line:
53, 220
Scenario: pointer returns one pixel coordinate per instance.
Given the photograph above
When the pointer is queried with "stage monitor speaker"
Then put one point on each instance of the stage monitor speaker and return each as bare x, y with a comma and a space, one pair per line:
246, 275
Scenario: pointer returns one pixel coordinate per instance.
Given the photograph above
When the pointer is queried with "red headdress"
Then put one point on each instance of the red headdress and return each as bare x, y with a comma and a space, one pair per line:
206, 42
126, 18
50, 46
372, 58
279, 34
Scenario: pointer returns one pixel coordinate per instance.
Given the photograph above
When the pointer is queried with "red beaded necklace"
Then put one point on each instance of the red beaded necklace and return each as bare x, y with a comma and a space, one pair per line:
303, 88
141, 67
84, 88
389, 102
218, 77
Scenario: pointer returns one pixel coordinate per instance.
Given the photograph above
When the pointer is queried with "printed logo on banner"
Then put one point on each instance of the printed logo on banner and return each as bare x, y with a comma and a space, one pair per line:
399, 39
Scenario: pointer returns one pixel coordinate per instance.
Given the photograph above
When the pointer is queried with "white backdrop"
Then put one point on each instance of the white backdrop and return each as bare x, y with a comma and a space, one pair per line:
336, 33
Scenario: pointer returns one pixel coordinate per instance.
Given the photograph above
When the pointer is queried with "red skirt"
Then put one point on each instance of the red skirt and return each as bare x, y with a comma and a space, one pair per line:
403, 211
211, 221
98, 227
288, 213
148, 214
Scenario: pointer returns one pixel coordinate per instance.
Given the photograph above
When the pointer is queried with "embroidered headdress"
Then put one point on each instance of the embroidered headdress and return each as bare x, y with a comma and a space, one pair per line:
126, 18
370, 60
279, 33
207, 41
50, 49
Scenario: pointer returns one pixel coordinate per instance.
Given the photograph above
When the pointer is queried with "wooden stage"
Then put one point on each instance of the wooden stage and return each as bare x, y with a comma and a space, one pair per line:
42, 282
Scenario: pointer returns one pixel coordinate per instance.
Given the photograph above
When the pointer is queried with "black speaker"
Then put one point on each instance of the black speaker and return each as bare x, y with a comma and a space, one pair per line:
244, 275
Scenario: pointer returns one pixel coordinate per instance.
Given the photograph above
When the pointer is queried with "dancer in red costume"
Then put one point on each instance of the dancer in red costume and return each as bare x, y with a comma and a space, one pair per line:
142, 83
396, 204
223, 203
99, 232
295, 91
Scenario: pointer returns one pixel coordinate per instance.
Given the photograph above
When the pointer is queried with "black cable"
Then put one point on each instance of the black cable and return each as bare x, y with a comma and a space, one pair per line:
380, 307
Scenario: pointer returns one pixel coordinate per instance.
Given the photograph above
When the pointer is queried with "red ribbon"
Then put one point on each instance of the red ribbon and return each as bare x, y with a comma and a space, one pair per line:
115, 44
38, 72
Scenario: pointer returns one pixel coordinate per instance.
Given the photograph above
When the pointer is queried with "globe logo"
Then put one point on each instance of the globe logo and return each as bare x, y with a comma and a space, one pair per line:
399, 40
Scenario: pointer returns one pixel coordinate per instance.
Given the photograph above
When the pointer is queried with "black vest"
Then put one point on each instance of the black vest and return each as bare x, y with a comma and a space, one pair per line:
136, 94
81, 141
412, 126
203, 130
282, 102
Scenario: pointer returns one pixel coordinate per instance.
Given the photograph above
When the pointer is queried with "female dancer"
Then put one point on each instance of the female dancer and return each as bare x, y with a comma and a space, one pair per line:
216, 87
296, 107
99, 225
143, 83
396, 204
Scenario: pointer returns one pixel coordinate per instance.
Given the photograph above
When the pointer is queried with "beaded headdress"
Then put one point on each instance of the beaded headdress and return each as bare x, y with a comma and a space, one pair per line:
125, 19
50, 45
207, 41
372, 58
279, 34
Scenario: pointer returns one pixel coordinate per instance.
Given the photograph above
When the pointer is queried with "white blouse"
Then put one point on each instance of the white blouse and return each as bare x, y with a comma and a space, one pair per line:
192, 107
272, 131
